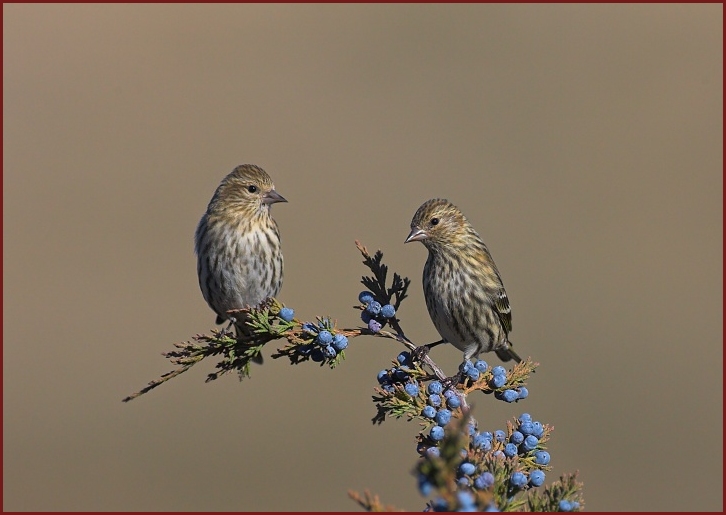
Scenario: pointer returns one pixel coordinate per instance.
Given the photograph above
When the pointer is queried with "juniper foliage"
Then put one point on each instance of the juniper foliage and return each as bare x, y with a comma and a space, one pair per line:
460, 467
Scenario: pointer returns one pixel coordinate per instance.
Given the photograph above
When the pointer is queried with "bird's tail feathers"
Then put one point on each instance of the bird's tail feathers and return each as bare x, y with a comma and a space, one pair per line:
508, 354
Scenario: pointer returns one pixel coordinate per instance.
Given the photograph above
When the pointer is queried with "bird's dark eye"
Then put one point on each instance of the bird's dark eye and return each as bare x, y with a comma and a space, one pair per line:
252, 188
434, 221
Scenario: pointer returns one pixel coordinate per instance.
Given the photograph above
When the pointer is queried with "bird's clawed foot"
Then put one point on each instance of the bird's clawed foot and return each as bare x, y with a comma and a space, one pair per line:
419, 353
225, 331
453, 381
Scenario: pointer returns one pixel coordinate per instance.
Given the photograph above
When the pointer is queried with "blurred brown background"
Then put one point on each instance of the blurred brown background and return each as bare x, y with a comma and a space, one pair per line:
584, 142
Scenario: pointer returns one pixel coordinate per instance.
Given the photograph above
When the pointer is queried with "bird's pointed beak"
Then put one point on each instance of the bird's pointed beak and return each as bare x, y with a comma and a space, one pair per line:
272, 196
416, 235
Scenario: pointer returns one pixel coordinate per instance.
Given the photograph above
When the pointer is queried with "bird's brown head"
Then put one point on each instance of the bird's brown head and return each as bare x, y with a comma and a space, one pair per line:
247, 190
437, 224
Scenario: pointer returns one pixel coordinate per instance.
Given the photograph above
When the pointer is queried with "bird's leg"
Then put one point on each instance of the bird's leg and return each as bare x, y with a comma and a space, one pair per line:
420, 352
225, 330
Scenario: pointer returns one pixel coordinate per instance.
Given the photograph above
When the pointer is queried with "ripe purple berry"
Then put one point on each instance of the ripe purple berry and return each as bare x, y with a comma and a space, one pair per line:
374, 325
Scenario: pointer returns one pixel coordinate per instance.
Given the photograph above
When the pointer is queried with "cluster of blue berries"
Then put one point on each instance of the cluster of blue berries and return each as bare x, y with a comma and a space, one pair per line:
399, 375
503, 462
524, 440
375, 315
440, 406
498, 379
325, 343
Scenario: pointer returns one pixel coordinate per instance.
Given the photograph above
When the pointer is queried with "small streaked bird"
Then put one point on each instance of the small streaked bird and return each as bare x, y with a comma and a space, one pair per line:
464, 293
237, 242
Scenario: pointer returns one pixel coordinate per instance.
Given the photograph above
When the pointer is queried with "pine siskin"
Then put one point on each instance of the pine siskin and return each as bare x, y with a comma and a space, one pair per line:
464, 293
237, 242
